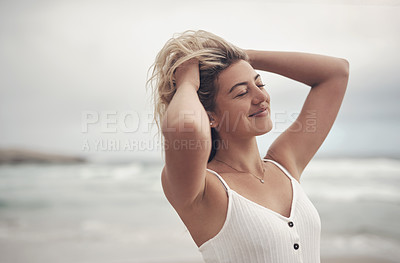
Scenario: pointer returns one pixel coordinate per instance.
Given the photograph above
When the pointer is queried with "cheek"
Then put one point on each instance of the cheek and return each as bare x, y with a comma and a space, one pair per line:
238, 116
232, 116
233, 112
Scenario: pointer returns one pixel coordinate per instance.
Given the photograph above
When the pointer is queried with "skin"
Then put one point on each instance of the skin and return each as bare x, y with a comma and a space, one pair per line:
240, 129
197, 195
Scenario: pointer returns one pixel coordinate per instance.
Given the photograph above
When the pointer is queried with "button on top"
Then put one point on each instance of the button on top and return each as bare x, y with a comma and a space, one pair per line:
296, 246
291, 224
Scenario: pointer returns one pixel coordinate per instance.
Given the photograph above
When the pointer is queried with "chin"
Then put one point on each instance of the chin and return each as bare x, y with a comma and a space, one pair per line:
266, 127
265, 131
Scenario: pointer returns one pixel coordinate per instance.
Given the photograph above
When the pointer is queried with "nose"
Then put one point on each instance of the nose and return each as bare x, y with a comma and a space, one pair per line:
260, 95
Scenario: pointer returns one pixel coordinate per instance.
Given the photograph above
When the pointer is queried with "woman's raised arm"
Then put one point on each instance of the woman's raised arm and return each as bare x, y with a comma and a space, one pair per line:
186, 130
327, 77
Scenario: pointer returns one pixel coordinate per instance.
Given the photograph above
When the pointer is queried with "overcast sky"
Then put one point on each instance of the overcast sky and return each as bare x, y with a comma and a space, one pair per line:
60, 60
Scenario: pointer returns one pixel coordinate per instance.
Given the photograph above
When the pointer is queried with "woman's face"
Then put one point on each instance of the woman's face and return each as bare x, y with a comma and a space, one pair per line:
240, 99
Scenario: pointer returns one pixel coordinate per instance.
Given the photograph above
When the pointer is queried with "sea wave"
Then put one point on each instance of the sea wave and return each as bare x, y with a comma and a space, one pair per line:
365, 245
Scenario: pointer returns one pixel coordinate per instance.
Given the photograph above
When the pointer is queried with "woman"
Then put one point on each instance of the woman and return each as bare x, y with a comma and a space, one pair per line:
212, 104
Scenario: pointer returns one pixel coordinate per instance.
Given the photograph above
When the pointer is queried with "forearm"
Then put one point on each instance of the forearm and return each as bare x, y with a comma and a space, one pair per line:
310, 69
185, 115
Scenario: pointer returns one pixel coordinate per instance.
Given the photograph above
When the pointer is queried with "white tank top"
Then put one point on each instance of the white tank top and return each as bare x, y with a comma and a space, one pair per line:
253, 233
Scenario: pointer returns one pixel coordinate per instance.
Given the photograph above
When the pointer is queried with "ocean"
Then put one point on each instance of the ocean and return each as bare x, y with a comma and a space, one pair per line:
93, 212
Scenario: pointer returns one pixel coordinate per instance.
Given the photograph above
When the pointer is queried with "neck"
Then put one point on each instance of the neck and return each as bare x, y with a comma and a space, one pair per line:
242, 154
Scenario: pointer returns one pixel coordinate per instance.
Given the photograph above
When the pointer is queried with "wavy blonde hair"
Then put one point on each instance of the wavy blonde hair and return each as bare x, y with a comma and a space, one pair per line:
214, 55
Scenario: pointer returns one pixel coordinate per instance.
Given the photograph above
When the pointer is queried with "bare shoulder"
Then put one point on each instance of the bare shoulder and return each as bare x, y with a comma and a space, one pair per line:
286, 161
214, 191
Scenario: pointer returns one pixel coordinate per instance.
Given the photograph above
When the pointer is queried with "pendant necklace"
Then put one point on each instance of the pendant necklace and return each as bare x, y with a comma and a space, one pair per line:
260, 179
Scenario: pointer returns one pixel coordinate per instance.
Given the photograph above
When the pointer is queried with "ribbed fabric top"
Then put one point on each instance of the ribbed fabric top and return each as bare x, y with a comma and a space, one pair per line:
253, 233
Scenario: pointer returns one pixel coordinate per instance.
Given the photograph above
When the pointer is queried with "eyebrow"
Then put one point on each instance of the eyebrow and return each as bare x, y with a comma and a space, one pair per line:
242, 83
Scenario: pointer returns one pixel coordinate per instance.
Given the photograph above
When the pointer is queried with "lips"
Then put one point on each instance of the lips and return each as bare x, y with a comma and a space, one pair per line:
257, 112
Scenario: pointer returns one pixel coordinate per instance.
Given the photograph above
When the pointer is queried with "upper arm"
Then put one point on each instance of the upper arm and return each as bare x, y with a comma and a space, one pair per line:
296, 146
183, 176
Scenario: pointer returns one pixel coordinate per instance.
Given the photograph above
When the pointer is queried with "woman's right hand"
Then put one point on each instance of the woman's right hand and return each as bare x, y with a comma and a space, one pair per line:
188, 74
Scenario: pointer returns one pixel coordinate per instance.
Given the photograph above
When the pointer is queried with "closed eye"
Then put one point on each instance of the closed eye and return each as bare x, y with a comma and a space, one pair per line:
242, 94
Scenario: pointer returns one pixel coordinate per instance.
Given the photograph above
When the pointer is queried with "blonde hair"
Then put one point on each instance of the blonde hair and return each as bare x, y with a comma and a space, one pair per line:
214, 55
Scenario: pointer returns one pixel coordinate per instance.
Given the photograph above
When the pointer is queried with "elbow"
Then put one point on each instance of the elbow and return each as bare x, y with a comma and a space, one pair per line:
342, 76
345, 72
338, 70
340, 73
344, 68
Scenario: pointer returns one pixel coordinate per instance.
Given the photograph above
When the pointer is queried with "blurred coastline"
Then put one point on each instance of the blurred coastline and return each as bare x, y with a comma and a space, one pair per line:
15, 156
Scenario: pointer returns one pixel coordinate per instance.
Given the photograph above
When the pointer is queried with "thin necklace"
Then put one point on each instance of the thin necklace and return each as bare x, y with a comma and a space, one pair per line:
260, 179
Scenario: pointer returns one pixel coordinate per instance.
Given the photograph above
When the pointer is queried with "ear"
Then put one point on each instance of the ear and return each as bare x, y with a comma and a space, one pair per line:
213, 120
